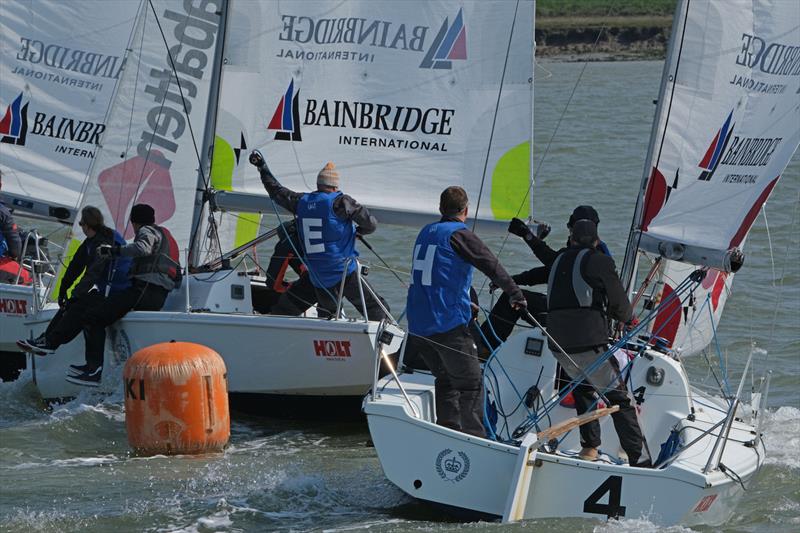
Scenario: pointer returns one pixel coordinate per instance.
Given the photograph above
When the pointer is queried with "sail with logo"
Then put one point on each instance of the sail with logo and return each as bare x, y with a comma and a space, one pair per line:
56, 83
151, 150
405, 98
725, 131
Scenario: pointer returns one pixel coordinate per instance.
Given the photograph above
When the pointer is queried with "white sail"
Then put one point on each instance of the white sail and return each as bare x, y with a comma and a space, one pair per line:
728, 125
400, 96
56, 82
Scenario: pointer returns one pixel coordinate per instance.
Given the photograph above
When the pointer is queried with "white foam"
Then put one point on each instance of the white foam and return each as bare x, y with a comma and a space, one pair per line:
781, 431
637, 525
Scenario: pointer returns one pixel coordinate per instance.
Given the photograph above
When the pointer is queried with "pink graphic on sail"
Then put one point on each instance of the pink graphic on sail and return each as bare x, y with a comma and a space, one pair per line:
137, 180
654, 198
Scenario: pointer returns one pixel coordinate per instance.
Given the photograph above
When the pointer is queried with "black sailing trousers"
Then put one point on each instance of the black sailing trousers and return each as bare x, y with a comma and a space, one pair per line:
67, 323
503, 317
140, 296
453, 359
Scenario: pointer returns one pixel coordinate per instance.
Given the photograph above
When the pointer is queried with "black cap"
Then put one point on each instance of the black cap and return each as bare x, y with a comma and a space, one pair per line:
584, 232
143, 214
583, 212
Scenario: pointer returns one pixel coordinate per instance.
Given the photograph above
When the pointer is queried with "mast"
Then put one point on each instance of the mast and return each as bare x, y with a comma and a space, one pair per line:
208, 136
533, 79
631, 261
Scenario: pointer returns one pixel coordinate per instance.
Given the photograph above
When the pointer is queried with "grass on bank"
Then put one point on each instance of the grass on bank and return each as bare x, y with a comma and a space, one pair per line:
604, 8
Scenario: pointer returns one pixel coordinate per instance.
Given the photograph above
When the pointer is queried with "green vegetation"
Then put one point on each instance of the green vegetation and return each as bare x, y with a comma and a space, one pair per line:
604, 8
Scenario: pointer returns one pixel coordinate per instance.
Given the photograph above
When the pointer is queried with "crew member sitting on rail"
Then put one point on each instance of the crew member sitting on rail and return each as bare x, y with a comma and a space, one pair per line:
439, 311
155, 271
98, 275
10, 248
329, 222
583, 291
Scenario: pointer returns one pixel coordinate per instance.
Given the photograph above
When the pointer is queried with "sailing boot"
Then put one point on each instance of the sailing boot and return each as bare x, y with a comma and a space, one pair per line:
588, 454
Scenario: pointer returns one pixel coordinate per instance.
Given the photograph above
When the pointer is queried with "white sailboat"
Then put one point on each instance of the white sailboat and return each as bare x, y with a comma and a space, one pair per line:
56, 83
727, 124
386, 91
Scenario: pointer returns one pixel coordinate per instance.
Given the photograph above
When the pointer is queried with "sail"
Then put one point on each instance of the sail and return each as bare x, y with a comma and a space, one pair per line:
729, 122
405, 98
151, 149
61, 62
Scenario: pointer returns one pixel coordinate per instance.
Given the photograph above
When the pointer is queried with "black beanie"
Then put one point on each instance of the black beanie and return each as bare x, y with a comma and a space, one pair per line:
143, 214
584, 232
583, 212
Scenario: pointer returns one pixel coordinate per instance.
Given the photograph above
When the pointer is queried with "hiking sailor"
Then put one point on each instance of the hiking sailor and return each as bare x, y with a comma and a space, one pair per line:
583, 292
10, 247
329, 222
439, 310
500, 323
96, 274
155, 271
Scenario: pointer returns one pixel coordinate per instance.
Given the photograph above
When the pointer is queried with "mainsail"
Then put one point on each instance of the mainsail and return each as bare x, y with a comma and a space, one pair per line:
727, 126
152, 148
405, 98
56, 82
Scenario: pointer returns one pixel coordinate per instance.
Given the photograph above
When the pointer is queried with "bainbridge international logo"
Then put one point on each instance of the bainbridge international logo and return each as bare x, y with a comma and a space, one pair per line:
286, 119
714, 153
450, 44
14, 125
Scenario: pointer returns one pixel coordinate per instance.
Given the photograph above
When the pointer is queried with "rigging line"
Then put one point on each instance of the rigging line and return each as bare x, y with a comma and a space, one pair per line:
550, 141
654, 164
769, 240
779, 297
494, 118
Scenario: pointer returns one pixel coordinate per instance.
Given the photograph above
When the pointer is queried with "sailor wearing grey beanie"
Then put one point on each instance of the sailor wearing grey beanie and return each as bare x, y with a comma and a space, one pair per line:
328, 222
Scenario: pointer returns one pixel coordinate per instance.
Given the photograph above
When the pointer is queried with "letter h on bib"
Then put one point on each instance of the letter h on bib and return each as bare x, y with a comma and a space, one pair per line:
424, 264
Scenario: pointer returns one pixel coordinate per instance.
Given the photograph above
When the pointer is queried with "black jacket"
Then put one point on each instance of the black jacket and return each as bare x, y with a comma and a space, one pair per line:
578, 328
344, 207
86, 259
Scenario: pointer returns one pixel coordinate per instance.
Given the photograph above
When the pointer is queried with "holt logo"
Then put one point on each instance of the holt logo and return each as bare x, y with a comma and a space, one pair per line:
286, 119
332, 348
450, 44
14, 125
716, 149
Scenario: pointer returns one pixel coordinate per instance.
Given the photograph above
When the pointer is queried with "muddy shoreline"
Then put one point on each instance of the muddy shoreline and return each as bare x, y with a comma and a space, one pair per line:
602, 40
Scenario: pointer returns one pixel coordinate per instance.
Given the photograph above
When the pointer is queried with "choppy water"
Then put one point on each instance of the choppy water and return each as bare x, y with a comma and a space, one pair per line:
69, 469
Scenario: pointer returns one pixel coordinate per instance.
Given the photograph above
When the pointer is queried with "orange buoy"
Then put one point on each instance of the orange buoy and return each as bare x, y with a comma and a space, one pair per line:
176, 400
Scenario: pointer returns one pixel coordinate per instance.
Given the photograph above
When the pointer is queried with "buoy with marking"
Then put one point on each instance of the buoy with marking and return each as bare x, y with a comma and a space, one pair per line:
176, 400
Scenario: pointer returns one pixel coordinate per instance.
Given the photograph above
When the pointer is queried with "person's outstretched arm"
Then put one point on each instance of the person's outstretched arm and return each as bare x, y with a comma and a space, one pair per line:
284, 197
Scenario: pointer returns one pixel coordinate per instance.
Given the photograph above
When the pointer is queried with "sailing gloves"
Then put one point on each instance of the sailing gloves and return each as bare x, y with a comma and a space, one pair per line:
256, 158
521, 229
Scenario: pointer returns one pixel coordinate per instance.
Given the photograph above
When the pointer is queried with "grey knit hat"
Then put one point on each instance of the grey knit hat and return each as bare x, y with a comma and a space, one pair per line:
328, 176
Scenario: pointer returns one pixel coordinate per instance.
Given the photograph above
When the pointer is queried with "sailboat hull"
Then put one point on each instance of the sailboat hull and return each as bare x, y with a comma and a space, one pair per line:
265, 356
459, 471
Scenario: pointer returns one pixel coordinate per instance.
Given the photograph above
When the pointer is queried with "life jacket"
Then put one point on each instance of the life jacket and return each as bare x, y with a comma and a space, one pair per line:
165, 261
566, 285
328, 241
438, 297
3, 244
9, 270
117, 269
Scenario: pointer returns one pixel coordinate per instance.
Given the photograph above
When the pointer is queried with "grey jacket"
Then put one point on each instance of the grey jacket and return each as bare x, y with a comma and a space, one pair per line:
147, 242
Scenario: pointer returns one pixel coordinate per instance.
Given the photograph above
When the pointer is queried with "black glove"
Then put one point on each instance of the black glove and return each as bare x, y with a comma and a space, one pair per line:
256, 158
519, 228
493, 286
62, 300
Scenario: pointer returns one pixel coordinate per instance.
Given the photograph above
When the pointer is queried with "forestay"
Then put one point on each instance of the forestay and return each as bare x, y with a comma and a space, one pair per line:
400, 96
728, 124
61, 62
151, 148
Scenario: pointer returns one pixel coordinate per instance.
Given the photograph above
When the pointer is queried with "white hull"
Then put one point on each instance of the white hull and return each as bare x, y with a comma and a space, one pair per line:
16, 309
264, 355
560, 485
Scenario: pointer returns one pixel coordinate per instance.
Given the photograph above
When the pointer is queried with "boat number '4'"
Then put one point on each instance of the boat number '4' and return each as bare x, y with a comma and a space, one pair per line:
613, 487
